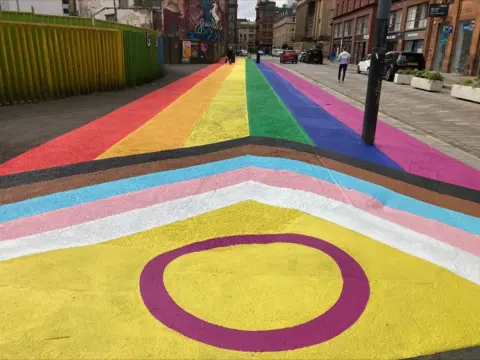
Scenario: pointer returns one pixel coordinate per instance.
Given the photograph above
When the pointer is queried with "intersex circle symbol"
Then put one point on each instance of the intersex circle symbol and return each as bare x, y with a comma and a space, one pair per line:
343, 314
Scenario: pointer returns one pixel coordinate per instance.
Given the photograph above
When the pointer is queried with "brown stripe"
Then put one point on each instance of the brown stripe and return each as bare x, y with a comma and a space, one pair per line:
24, 192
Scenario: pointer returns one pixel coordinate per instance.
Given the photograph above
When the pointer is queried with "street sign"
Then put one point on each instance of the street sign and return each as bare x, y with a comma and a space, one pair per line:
447, 29
469, 26
438, 10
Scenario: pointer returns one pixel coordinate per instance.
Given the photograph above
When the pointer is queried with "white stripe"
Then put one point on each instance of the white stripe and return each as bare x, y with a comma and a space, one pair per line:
460, 262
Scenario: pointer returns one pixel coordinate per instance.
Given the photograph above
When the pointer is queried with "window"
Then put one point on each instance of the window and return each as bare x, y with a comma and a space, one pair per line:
347, 29
395, 20
416, 17
293, 19
362, 25
337, 30
110, 17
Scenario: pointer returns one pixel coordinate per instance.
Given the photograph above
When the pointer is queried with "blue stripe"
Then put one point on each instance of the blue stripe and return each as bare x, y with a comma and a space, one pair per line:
386, 196
325, 131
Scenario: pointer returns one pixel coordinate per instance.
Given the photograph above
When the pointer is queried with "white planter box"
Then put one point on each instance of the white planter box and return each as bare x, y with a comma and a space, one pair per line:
425, 84
402, 79
466, 93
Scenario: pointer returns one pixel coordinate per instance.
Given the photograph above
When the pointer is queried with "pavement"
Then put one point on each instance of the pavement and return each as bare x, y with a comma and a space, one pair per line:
235, 214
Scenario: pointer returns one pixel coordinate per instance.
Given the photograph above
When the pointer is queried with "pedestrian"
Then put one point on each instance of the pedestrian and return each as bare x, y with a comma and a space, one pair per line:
343, 59
230, 55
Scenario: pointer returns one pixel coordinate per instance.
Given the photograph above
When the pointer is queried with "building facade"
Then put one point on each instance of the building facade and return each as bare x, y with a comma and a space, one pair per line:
284, 27
146, 14
313, 24
246, 35
47, 7
265, 18
454, 41
232, 23
449, 43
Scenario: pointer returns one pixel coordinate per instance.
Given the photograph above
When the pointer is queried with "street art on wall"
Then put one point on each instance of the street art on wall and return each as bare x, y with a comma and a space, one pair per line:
195, 19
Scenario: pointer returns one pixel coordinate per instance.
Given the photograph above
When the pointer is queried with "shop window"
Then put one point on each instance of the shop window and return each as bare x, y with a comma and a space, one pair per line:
416, 17
362, 25
347, 30
395, 21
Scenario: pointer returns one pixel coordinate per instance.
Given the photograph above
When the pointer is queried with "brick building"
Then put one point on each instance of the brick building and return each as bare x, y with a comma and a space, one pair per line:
454, 42
449, 44
265, 18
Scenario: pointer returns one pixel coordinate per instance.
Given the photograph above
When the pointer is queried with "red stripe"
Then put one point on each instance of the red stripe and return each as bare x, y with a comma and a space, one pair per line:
90, 141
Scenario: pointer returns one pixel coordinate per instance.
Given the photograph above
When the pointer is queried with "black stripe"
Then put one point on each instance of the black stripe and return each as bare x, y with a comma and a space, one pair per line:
104, 164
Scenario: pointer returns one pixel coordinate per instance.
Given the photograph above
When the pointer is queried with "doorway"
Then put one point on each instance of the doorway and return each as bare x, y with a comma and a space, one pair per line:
462, 47
440, 48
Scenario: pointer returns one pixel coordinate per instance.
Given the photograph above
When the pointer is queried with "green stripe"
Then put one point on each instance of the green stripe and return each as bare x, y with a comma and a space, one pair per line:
267, 115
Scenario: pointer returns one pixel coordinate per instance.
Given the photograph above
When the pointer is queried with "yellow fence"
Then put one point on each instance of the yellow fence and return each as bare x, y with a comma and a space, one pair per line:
41, 61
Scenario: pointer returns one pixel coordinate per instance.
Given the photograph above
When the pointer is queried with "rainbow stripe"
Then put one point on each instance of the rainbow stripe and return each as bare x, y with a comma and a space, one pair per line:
217, 103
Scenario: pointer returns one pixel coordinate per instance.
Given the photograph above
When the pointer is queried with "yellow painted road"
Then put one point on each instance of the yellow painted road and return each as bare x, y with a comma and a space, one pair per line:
226, 118
85, 302
171, 127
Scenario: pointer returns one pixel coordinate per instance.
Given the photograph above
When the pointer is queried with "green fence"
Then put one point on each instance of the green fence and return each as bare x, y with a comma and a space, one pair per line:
141, 58
67, 20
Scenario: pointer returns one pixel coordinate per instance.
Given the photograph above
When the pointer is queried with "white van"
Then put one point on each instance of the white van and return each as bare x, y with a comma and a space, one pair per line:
276, 52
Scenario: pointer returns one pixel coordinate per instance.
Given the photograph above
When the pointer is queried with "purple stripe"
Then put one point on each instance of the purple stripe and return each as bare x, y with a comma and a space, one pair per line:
411, 154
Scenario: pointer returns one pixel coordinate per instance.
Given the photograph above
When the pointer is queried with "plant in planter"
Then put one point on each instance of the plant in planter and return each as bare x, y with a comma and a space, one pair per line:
404, 76
427, 80
468, 89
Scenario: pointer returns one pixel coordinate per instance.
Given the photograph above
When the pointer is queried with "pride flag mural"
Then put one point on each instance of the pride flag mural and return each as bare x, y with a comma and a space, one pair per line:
235, 214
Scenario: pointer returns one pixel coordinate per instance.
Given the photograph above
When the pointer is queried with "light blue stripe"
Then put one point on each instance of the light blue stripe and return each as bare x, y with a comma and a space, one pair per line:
386, 196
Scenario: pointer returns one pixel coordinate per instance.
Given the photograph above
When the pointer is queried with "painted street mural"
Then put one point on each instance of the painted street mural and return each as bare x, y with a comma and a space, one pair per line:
202, 20
215, 218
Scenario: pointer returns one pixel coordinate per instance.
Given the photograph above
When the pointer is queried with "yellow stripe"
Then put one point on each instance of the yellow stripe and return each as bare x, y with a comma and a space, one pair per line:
170, 128
226, 117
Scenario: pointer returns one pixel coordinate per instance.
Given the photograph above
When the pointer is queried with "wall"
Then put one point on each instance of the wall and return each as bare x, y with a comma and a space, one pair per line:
50, 7
204, 20
42, 61
134, 17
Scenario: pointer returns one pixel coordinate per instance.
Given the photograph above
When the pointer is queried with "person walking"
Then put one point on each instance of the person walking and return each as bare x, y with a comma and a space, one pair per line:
343, 59
230, 55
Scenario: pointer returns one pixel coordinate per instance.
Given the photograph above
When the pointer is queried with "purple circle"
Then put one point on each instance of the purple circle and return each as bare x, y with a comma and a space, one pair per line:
343, 314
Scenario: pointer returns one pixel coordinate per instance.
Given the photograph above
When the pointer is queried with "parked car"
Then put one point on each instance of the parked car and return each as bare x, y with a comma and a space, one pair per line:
260, 52
395, 60
276, 52
314, 56
364, 65
288, 56
302, 57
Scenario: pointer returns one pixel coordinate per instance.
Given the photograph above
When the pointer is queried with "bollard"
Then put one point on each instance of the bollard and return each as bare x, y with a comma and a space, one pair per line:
258, 57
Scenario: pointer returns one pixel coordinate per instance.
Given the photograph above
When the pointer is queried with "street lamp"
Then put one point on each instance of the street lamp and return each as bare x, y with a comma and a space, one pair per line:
374, 87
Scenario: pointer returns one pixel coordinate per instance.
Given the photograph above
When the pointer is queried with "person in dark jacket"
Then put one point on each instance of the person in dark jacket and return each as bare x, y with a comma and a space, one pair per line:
230, 55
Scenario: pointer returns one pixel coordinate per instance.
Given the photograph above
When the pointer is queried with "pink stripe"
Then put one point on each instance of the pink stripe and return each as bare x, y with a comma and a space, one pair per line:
411, 154
118, 204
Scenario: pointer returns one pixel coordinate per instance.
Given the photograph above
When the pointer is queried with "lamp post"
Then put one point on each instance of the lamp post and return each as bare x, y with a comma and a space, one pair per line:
374, 87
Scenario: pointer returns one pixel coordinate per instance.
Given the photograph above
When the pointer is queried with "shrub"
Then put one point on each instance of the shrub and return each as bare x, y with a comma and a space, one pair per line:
475, 83
429, 75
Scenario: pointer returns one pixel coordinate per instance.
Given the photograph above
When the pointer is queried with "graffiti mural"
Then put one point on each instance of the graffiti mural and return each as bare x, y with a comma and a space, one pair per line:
202, 20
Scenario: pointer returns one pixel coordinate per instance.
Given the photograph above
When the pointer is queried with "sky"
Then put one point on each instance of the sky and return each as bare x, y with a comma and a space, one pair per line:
246, 8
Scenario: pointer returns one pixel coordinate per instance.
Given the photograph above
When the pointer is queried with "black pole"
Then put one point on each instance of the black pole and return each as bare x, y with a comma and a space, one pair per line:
375, 76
